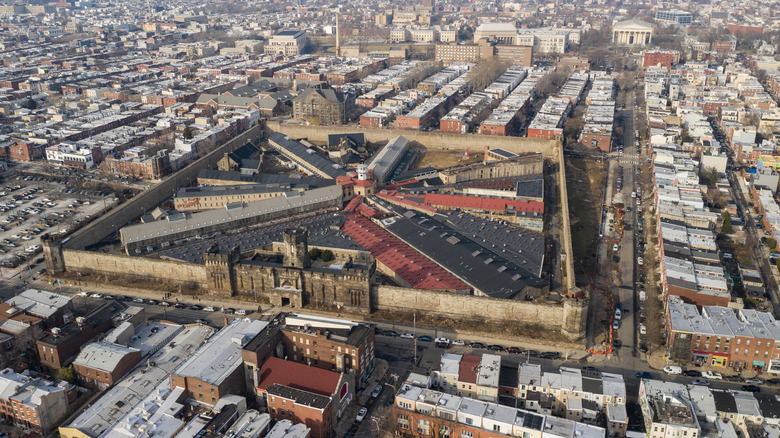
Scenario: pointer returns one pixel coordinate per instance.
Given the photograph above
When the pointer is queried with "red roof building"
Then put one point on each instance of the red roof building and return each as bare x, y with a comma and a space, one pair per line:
305, 394
448, 202
397, 259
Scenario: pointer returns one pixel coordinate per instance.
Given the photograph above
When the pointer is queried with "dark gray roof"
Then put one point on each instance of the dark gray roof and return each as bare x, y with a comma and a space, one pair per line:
258, 178
356, 138
476, 264
526, 248
531, 187
301, 397
303, 157
724, 401
323, 231
328, 93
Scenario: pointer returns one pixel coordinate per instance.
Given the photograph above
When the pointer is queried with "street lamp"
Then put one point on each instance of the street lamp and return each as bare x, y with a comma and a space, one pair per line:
378, 430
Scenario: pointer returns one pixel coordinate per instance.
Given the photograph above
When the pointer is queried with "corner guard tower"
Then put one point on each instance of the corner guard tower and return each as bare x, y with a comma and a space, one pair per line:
575, 313
52, 252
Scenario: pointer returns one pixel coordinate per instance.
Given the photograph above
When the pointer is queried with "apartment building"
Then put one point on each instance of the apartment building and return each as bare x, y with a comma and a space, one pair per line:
32, 403
667, 409
720, 336
424, 412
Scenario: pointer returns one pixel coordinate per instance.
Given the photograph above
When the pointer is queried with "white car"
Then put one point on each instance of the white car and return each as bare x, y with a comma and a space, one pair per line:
459, 342
642, 329
210, 309
673, 370
407, 336
361, 414
17, 236
27, 238
375, 393
96, 295
711, 375
33, 248
615, 247
640, 261
618, 314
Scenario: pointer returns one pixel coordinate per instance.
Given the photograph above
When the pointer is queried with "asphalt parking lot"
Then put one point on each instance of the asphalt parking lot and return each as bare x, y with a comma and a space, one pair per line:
33, 205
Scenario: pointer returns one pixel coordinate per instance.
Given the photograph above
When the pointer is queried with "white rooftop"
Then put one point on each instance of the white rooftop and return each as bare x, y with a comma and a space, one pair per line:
222, 353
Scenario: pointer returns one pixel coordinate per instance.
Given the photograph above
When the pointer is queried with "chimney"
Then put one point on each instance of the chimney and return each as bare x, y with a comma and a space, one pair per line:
338, 37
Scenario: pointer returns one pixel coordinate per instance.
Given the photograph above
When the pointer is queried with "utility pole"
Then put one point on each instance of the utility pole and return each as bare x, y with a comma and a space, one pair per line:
414, 333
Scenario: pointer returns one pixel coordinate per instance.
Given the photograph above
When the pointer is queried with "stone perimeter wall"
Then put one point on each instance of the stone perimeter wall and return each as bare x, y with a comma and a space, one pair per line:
141, 268
455, 306
435, 140
397, 299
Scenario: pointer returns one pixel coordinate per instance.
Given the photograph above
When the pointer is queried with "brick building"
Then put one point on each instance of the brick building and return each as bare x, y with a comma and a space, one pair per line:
721, 336
57, 348
151, 168
323, 105
33, 403
215, 369
665, 58
100, 364
299, 406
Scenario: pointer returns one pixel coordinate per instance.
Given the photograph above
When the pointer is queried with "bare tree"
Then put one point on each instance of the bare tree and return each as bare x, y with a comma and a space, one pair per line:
484, 73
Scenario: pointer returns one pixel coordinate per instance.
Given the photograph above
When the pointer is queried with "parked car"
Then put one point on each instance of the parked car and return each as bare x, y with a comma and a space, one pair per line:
477, 345
751, 388
754, 381
361, 414
496, 347
514, 350
550, 355
712, 375
672, 370
644, 375
195, 307
700, 382
202, 321
425, 338
375, 393
389, 333
590, 368
443, 341
459, 342
692, 373
407, 336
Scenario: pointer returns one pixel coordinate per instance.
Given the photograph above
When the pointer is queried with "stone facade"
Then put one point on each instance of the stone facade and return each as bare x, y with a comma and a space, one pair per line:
292, 282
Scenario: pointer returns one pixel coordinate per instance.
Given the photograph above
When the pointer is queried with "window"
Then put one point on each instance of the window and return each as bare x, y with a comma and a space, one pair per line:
739, 341
747, 341
423, 427
496, 428
466, 434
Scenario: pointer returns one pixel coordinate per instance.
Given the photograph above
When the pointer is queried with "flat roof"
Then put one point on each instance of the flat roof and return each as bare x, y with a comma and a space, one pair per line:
39, 302
103, 356
215, 360
108, 409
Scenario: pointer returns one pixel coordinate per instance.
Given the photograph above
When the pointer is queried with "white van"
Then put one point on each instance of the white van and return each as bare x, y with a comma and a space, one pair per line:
673, 370
241, 312
633, 194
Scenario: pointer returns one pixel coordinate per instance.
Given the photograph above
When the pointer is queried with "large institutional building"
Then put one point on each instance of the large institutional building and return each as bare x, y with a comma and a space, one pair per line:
632, 33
